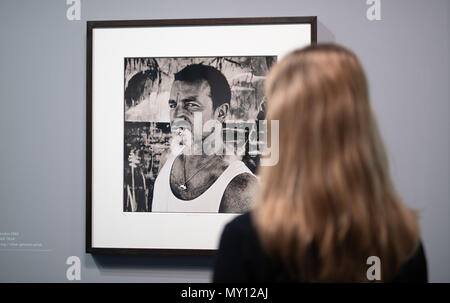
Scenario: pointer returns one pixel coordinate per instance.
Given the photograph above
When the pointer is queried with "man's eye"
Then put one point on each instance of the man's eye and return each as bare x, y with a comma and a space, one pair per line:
172, 105
191, 105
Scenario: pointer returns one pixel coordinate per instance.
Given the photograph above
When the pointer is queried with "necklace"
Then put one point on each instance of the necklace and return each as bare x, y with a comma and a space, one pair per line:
184, 185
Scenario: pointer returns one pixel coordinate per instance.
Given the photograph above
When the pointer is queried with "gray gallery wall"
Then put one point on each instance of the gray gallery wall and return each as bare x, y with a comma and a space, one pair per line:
42, 119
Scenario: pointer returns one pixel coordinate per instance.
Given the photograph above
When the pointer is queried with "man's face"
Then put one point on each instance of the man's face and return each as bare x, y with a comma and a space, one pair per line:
188, 98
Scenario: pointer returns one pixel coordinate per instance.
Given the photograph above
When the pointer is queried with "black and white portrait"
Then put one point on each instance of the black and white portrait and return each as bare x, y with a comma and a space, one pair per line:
191, 131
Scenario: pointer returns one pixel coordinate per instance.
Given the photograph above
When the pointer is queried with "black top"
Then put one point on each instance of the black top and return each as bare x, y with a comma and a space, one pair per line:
240, 258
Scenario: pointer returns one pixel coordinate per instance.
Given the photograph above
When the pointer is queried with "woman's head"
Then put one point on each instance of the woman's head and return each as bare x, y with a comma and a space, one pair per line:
329, 201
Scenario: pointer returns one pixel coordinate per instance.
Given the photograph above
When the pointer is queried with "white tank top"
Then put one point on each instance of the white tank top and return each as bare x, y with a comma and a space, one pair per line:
165, 201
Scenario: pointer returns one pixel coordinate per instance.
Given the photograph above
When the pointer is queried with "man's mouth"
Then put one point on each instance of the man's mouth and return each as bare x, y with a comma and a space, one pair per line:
180, 131
180, 127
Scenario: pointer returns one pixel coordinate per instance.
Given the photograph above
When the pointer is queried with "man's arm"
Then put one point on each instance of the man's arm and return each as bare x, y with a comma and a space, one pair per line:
239, 194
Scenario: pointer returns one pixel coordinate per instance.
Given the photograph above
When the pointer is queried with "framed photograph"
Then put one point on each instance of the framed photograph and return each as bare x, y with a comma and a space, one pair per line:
176, 127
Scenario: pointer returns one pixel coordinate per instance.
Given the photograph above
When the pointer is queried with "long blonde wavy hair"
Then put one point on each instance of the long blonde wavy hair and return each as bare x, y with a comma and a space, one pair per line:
329, 203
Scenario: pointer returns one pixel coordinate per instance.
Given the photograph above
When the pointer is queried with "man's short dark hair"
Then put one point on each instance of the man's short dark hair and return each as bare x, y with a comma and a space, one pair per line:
220, 89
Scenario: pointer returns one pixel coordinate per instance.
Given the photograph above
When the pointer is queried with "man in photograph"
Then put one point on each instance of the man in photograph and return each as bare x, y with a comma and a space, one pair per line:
201, 182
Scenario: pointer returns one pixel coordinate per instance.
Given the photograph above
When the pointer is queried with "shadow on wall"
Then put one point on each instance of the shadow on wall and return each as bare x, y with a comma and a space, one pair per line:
112, 264
323, 33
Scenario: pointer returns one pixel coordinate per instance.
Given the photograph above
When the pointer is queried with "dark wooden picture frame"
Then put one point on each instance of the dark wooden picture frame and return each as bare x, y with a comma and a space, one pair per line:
91, 26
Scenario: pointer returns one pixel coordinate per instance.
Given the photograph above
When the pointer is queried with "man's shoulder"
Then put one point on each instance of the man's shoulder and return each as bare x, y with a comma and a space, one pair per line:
243, 180
239, 193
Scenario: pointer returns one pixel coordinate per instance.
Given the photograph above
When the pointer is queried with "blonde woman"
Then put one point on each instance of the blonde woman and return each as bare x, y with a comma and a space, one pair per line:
329, 203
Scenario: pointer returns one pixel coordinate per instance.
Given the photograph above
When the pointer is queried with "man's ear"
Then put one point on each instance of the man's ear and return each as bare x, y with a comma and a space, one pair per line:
221, 112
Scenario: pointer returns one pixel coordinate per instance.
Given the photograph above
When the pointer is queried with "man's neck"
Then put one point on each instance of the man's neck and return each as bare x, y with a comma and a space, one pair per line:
195, 161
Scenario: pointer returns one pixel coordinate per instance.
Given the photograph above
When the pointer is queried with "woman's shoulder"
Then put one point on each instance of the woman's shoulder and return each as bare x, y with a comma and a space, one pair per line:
242, 229
415, 268
239, 257
242, 237
242, 224
242, 232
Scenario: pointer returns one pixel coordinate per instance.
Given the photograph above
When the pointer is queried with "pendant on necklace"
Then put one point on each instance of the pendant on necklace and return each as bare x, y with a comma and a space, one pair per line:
183, 187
